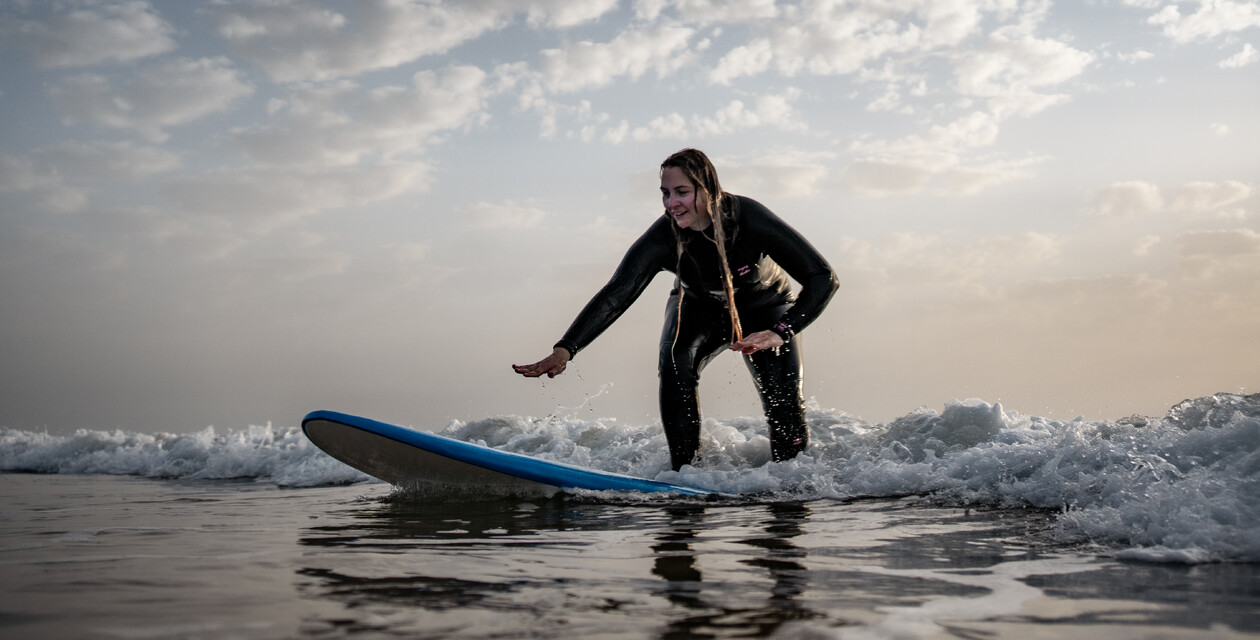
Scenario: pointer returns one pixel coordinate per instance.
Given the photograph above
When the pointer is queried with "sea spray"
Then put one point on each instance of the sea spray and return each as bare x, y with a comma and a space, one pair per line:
1181, 488
283, 455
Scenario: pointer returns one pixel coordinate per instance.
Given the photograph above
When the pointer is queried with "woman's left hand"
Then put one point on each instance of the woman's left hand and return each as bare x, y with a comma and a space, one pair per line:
755, 342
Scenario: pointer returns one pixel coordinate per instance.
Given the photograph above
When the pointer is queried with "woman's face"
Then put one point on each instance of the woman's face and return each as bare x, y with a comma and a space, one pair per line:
679, 196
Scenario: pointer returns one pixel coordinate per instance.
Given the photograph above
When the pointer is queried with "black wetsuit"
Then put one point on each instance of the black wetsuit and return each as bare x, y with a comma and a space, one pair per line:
760, 247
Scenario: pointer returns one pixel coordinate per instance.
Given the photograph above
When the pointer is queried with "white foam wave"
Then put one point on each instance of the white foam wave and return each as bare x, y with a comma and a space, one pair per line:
281, 455
1181, 488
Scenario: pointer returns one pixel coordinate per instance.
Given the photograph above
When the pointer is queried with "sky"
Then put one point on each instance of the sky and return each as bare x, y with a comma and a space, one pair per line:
232, 213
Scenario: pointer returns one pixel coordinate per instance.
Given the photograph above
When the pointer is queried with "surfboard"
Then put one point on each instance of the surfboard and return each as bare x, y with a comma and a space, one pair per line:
418, 460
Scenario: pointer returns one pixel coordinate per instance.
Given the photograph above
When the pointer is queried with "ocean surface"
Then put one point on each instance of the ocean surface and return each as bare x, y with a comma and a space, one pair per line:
970, 522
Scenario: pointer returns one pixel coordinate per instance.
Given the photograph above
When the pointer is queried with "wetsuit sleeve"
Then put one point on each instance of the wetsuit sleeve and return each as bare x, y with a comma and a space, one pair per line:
649, 255
799, 258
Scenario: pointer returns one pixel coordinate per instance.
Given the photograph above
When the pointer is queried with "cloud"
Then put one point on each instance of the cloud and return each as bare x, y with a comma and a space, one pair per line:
632, 53
911, 163
910, 262
1085, 299
340, 124
744, 60
1213, 18
766, 111
42, 183
80, 34
102, 160
1204, 196
259, 200
875, 177
1145, 244
971, 180
778, 173
156, 97
1009, 72
562, 14
1130, 198
297, 41
55, 178
508, 215
1220, 253
832, 38
1232, 242
1136, 56
942, 144
1247, 56
704, 11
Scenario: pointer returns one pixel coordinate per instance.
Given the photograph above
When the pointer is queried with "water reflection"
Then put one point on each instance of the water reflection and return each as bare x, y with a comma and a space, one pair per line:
677, 560
580, 567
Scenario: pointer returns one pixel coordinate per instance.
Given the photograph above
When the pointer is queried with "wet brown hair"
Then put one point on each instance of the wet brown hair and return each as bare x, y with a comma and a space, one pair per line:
710, 198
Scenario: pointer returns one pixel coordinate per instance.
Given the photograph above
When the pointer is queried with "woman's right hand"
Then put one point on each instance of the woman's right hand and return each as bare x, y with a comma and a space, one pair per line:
551, 366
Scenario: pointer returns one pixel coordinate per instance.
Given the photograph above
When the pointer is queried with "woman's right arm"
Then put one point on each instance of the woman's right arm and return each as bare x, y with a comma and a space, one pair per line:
649, 255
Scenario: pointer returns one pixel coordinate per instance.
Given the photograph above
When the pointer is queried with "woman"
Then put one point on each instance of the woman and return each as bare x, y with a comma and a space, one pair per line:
729, 255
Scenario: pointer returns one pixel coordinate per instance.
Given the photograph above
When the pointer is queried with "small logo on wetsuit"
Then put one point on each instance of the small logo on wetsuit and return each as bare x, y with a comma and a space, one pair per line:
743, 271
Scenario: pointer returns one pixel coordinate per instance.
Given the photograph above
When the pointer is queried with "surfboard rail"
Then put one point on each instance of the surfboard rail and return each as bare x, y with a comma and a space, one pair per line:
365, 444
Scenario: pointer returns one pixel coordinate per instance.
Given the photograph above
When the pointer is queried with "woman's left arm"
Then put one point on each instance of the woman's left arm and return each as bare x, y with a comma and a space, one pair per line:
799, 258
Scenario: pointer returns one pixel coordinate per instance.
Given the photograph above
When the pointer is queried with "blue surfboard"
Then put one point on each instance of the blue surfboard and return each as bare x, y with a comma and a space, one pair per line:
417, 460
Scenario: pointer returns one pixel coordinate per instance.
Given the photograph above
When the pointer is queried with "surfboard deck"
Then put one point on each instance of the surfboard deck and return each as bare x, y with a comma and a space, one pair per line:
417, 460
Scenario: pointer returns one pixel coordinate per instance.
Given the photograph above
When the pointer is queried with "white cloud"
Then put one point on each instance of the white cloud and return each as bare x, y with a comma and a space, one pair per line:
1219, 129
158, 96
1145, 244
1136, 56
744, 60
1009, 73
1247, 56
971, 180
947, 263
633, 53
703, 11
40, 181
260, 200
837, 38
1230, 242
874, 177
943, 142
78, 34
101, 160
561, 14
21, 174
338, 124
508, 215
778, 173
1213, 18
1200, 197
672, 126
407, 253
910, 164
1209, 254
767, 111
297, 41
1204, 196
1127, 199
1085, 298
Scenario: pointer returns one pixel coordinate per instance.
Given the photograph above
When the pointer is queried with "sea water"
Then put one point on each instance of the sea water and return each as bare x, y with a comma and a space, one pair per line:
973, 521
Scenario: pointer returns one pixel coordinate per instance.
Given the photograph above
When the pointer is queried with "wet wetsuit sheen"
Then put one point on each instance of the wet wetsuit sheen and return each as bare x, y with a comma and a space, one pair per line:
762, 251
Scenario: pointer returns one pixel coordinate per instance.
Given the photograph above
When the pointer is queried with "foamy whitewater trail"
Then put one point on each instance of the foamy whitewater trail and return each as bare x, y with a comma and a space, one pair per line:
1181, 488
